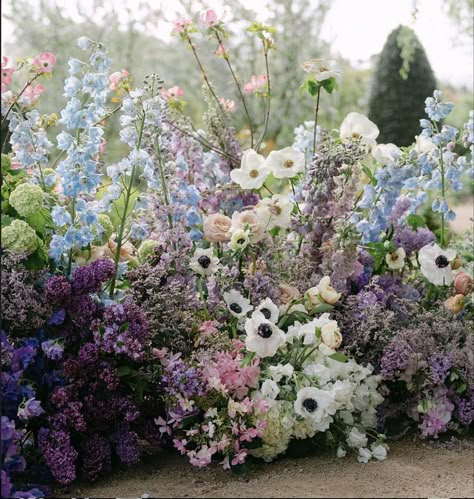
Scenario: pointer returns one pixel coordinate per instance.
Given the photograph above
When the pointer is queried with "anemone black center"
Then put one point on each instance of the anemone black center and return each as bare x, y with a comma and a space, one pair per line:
266, 313
204, 261
236, 308
265, 330
441, 262
241, 241
310, 405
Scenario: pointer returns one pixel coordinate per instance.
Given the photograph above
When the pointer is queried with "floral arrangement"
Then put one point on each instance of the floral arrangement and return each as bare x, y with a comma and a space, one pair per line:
211, 295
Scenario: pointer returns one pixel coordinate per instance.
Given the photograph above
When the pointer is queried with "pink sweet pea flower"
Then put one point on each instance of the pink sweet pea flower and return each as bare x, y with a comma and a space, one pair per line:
256, 84
164, 428
44, 62
116, 77
172, 93
180, 24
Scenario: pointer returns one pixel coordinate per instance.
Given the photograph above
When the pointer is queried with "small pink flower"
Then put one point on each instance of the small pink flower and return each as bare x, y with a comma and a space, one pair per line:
261, 427
240, 457
248, 434
180, 445
159, 353
223, 443
207, 329
261, 405
172, 93
180, 24
203, 457
116, 77
164, 428
7, 75
221, 51
16, 165
227, 104
256, 84
44, 62
209, 17
225, 463
102, 147
31, 94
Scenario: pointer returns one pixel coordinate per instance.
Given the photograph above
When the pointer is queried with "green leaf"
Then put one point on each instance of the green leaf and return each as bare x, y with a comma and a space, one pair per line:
6, 220
124, 327
321, 309
329, 85
313, 87
461, 388
369, 174
340, 357
124, 371
415, 221
40, 220
247, 359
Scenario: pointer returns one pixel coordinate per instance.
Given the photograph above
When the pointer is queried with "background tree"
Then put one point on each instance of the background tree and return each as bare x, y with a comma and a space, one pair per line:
402, 80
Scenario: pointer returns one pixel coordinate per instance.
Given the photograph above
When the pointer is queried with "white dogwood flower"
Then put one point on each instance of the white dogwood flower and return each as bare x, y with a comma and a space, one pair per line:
286, 163
253, 171
356, 126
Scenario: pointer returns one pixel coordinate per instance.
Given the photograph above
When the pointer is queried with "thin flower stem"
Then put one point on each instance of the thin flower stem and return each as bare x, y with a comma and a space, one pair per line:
120, 238
204, 142
164, 186
206, 79
268, 189
239, 90
443, 194
316, 112
294, 194
70, 255
267, 113
27, 84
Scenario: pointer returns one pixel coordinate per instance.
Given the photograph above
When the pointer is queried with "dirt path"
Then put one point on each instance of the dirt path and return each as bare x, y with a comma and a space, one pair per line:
412, 470
464, 215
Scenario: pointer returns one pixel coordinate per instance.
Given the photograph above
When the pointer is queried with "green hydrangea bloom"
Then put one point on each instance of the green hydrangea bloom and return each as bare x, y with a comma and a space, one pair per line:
6, 164
146, 249
27, 199
108, 227
19, 237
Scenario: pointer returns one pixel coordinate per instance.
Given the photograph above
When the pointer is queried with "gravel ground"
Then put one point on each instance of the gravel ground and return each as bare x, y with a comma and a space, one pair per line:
413, 469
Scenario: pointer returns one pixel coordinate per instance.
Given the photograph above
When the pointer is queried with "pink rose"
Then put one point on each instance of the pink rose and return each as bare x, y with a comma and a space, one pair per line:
463, 283
44, 62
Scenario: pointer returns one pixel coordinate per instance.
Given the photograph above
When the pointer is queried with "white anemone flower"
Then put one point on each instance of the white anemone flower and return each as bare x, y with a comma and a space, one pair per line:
279, 371
286, 163
204, 262
238, 305
275, 211
364, 455
396, 259
356, 126
323, 69
263, 337
315, 404
240, 240
435, 264
269, 310
253, 171
386, 153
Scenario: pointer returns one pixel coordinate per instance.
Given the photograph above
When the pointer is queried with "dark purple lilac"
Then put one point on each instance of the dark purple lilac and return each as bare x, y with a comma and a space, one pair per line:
57, 290
96, 456
59, 454
412, 240
126, 445
440, 366
90, 278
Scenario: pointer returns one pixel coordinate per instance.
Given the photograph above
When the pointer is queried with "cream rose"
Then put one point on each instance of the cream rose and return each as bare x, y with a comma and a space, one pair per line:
331, 336
216, 228
127, 251
327, 292
288, 293
314, 296
247, 220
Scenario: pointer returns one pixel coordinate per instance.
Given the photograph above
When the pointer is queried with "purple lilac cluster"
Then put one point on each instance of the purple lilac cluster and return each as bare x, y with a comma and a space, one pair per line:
412, 240
260, 286
126, 444
123, 329
423, 356
96, 456
179, 378
59, 454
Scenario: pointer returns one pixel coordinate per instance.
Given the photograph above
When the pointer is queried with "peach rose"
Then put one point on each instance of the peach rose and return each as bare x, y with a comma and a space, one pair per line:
127, 251
288, 293
216, 228
455, 304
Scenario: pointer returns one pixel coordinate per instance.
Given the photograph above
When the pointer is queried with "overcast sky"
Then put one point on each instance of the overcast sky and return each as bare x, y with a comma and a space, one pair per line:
358, 29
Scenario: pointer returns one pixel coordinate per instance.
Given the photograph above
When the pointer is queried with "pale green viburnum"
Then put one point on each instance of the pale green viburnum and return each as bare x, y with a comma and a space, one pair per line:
27, 199
19, 237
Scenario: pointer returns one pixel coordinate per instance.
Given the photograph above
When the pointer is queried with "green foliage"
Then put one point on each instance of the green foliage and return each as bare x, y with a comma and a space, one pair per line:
397, 103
